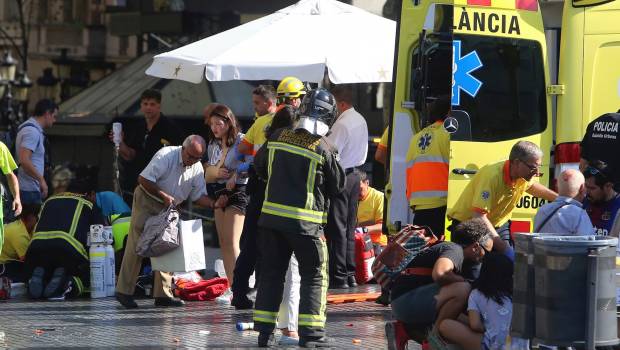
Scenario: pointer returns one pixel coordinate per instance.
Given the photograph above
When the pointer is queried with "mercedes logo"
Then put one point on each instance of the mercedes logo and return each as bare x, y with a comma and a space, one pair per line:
451, 125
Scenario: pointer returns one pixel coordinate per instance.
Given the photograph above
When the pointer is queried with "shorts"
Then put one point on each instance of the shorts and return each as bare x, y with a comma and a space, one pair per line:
418, 306
238, 199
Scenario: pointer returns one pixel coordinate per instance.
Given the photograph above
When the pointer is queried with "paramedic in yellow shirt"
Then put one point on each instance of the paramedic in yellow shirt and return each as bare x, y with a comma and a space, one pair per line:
264, 102
495, 190
370, 210
17, 235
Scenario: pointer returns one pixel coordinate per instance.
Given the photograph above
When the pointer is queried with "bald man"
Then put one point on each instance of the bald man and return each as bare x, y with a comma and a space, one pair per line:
173, 176
565, 214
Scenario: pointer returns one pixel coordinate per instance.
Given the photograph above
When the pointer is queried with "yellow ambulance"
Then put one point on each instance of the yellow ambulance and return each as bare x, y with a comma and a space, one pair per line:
491, 57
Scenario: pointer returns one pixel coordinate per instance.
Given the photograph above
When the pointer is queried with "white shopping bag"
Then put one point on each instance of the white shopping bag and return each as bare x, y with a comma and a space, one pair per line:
190, 256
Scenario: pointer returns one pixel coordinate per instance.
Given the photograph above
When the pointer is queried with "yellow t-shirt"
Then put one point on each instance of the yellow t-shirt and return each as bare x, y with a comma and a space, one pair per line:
431, 142
492, 192
255, 136
16, 241
370, 209
383, 143
7, 163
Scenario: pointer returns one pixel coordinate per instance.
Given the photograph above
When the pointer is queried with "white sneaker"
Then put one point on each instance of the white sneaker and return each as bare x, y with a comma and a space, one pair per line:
286, 340
225, 298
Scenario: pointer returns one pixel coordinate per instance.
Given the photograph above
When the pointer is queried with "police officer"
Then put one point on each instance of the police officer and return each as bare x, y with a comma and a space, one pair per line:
302, 173
601, 142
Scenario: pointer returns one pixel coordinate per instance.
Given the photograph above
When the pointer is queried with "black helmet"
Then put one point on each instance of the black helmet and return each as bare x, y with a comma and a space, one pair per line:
320, 105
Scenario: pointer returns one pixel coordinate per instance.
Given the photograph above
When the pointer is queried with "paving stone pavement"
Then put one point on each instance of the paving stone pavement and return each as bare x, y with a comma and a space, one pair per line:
103, 323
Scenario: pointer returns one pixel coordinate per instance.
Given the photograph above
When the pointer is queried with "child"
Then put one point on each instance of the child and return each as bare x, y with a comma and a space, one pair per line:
489, 308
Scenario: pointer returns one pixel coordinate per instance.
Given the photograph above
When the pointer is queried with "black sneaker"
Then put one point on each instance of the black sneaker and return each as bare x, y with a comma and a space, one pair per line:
266, 340
315, 342
165, 302
35, 283
242, 303
384, 298
56, 284
126, 300
64, 292
351, 281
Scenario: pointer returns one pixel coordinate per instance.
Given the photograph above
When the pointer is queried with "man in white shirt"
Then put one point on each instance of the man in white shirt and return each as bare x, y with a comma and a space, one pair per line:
173, 176
349, 135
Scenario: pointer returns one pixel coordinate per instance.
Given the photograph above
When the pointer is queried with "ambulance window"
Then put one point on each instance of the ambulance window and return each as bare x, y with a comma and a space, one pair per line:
511, 103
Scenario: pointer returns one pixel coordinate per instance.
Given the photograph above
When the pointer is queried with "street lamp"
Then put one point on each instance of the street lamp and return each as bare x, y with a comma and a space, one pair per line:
8, 66
13, 94
22, 86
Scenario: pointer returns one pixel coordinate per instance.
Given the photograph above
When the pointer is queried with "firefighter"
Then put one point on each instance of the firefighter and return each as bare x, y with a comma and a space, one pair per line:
427, 170
290, 92
57, 260
302, 173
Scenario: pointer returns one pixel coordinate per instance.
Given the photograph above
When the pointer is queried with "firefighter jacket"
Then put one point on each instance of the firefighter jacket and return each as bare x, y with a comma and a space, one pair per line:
67, 217
302, 174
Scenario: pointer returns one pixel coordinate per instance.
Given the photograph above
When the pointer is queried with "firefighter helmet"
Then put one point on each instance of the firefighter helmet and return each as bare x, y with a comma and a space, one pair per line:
317, 111
291, 87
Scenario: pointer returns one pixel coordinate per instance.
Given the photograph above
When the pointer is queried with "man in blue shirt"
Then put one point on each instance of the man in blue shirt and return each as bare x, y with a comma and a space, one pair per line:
30, 149
566, 215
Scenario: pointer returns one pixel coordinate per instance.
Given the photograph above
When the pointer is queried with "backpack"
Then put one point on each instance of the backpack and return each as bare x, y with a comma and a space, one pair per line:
400, 251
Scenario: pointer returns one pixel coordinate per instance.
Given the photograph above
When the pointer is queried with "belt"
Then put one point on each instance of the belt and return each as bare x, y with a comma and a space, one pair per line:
348, 171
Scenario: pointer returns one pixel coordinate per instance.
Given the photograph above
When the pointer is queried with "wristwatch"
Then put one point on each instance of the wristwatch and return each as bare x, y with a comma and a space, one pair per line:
365, 229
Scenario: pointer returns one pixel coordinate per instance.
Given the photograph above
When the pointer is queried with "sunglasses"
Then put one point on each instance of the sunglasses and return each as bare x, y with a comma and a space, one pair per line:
592, 171
533, 168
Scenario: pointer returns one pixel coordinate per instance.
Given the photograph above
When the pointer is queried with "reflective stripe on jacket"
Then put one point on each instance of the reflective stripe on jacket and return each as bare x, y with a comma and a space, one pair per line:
302, 173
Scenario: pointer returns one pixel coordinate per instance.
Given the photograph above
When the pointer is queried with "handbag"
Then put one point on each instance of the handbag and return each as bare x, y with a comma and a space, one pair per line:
160, 234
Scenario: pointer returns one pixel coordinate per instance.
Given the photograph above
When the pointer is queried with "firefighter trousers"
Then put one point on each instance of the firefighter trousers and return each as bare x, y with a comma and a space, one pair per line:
311, 251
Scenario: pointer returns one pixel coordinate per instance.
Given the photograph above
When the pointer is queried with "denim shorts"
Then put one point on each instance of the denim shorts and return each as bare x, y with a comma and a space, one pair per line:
417, 306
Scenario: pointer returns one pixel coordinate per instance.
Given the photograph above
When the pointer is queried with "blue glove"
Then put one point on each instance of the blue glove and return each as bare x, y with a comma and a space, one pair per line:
243, 167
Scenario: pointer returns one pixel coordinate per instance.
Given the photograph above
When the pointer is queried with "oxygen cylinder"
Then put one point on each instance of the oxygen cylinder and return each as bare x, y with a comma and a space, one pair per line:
97, 270
110, 268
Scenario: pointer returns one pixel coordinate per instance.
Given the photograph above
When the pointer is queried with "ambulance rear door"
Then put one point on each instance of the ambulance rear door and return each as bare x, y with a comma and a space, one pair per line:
498, 92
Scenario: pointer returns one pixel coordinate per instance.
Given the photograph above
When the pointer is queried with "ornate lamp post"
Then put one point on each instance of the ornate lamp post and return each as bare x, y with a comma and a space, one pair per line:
13, 94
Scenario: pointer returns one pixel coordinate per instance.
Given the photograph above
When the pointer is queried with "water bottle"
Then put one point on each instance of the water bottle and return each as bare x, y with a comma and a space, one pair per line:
117, 128
218, 266
245, 326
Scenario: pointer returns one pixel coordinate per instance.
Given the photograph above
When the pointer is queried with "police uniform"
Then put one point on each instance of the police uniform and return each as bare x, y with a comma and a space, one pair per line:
491, 191
302, 173
427, 176
602, 142
59, 239
146, 143
247, 259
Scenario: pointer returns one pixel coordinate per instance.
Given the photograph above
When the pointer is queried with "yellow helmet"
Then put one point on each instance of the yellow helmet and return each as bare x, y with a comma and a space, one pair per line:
291, 87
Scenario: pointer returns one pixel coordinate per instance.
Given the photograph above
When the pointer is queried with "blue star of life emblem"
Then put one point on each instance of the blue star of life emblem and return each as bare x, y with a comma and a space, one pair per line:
425, 141
462, 68
485, 195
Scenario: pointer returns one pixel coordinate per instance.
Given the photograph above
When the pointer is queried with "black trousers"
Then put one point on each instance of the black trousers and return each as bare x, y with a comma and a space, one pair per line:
311, 253
339, 231
52, 253
247, 261
435, 218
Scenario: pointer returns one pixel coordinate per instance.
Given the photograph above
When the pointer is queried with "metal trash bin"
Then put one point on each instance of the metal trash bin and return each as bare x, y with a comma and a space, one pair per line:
575, 290
523, 296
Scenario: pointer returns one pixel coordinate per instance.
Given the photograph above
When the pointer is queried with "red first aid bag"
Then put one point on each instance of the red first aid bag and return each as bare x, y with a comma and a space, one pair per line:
364, 257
